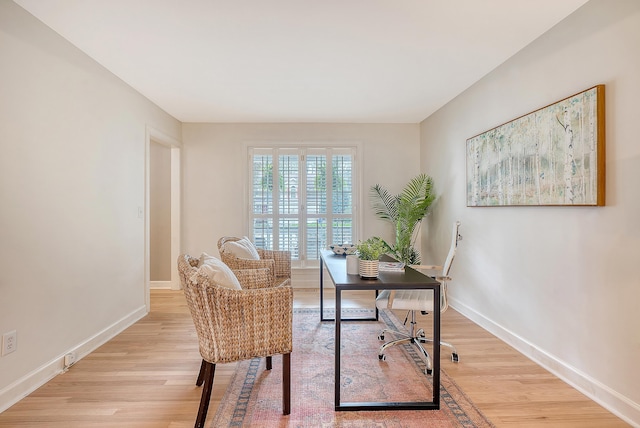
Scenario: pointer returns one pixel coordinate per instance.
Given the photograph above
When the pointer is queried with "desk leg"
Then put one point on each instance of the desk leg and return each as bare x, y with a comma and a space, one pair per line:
321, 290
436, 350
376, 305
337, 348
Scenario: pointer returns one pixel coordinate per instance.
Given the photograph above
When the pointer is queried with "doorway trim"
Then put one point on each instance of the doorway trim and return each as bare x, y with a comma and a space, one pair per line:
154, 135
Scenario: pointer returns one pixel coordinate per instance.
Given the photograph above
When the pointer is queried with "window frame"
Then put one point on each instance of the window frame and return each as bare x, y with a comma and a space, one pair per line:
304, 148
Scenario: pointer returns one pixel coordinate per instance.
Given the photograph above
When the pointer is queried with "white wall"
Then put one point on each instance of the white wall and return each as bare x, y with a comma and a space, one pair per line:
560, 283
215, 163
72, 171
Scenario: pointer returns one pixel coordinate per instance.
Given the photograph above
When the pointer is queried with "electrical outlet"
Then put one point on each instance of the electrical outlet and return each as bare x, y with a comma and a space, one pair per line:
9, 342
69, 359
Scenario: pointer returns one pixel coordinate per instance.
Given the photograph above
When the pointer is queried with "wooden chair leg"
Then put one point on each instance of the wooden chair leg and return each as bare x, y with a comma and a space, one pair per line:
201, 374
269, 363
209, 371
286, 384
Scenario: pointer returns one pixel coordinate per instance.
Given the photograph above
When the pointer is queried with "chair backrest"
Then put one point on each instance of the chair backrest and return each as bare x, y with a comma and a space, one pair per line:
455, 237
228, 328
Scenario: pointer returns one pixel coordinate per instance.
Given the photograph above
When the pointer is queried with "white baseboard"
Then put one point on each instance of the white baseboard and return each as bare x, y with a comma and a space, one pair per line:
43, 374
304, 283
161, 285
613, 401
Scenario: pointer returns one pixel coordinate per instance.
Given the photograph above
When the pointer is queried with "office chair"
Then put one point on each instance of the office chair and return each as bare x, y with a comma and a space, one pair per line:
419, 300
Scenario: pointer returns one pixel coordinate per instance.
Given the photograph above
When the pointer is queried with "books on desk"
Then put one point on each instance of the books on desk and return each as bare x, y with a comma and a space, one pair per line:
391, 267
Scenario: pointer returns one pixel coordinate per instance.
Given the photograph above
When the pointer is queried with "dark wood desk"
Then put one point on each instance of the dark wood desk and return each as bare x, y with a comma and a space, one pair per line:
340, 262
409, 279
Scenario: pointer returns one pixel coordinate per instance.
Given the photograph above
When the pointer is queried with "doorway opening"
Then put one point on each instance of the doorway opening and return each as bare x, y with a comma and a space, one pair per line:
162, 212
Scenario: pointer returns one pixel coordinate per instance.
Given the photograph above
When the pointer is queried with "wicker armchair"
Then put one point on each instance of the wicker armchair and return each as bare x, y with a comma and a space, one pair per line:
278, 261
228, 331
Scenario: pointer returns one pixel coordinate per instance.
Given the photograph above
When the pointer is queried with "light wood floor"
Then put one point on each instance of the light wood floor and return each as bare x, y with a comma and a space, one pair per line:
145, 377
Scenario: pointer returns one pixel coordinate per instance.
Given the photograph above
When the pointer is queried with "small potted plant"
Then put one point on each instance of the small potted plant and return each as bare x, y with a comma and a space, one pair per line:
369, 253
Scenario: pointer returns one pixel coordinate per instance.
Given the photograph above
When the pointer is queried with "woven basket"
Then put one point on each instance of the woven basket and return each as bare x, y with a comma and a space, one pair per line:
368, 269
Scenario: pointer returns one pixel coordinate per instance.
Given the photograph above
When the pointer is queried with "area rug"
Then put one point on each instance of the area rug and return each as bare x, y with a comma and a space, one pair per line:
254, 396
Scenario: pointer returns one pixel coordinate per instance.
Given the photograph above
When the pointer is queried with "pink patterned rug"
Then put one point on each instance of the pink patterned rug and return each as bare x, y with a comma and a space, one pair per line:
254, 396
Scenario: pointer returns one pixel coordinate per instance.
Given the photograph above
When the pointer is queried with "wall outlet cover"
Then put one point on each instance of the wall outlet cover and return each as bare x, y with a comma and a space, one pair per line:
70, 359
9, 342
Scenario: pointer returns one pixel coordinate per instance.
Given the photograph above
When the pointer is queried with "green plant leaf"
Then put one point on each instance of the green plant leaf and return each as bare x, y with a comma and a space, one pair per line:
384, 204
405, 211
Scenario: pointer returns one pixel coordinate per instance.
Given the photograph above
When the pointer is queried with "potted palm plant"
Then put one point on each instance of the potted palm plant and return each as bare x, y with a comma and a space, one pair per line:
405, 210
369, 253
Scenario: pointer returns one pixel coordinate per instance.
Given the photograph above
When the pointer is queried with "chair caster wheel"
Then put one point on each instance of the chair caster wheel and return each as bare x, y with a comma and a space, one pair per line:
381, 337
454, 357
382, 357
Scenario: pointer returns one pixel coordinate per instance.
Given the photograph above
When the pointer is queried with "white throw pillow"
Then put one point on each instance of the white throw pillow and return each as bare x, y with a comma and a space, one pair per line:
218, 272
242, 249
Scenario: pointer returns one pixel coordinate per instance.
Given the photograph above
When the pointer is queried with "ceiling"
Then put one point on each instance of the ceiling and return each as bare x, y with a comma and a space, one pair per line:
341, 61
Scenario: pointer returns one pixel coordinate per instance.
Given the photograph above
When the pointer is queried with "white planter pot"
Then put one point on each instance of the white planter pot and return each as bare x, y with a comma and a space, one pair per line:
368, 269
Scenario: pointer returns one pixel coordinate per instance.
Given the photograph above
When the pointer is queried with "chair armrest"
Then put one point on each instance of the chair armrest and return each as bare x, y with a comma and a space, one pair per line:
255, 278
282, 260
426, 267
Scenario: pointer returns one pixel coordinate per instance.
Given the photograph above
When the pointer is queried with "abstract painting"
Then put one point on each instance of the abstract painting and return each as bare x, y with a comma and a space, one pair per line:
552, 156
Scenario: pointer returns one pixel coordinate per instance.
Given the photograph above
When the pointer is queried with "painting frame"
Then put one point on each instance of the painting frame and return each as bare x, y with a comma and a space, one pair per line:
553, 156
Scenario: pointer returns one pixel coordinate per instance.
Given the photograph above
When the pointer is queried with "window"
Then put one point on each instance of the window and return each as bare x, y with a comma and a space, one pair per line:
302, 199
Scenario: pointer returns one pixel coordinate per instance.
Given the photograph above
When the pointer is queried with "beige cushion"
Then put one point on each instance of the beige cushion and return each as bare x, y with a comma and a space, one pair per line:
242, 249
218, 272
